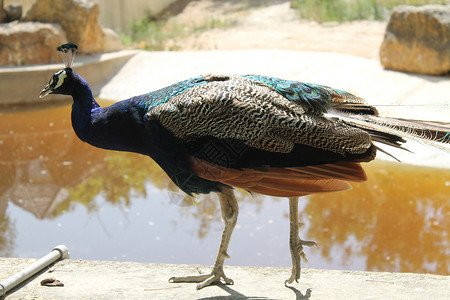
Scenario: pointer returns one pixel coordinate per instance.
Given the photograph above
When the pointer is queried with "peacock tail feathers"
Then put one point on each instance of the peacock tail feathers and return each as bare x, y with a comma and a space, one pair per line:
315, 98
319, 98
436, 134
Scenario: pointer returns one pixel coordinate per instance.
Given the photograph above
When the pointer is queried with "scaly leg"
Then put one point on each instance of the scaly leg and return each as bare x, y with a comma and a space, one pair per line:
295, 243
230, 210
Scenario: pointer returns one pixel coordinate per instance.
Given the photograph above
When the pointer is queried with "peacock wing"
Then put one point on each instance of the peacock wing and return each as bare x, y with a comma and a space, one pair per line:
252, 111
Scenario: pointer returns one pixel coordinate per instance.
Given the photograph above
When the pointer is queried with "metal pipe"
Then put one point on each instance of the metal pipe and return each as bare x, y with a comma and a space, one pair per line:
57, 253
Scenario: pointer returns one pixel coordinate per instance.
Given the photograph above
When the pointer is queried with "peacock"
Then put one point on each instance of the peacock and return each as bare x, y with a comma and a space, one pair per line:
266, 135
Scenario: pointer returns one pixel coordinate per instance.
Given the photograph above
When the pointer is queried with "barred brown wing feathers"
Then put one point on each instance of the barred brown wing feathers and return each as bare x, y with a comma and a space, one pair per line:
240, 108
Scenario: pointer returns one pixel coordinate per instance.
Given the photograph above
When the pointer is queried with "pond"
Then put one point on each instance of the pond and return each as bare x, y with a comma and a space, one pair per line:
105, 205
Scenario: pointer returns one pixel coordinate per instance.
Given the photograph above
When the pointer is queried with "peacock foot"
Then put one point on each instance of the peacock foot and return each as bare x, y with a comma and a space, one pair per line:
230, 210
205, 279
297, 254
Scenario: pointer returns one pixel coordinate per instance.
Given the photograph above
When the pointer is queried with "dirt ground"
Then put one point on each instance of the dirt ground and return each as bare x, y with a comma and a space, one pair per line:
274, 25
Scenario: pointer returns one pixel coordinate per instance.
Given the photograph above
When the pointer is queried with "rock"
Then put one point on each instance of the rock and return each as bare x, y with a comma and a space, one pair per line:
2, 16
13, 12
417, 39
30, 43
112, 41
78, 18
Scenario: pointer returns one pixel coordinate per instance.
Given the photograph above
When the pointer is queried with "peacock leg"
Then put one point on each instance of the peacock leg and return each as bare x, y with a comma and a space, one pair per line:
295, 243
230, 211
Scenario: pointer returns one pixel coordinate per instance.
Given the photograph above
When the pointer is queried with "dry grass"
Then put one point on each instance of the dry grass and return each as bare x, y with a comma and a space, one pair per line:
349, 10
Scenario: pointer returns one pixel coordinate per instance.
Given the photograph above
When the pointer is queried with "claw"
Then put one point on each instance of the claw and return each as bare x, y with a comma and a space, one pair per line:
297, 255
204, 279
296, 244
214, 279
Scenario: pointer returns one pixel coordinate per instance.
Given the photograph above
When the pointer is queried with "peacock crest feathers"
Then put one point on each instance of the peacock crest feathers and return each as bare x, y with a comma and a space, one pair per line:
68, 52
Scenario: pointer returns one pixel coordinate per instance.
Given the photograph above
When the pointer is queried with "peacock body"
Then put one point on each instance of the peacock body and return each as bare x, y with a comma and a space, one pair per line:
263, 134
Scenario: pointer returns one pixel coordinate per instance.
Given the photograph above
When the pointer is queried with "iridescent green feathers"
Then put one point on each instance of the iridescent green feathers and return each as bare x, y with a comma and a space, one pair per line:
316, 99
319, 98
155, 98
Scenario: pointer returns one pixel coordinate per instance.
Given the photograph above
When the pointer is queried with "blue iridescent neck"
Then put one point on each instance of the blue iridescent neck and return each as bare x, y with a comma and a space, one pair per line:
82, 94
84, 106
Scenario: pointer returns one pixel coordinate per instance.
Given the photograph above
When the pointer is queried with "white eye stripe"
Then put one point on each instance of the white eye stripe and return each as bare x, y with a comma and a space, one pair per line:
61, 79
59, 76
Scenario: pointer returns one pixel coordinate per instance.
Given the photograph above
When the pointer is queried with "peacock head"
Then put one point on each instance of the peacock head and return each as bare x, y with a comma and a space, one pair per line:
61, 81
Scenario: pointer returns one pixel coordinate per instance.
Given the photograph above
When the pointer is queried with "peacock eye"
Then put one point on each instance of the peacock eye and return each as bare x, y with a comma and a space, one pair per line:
307, 90
283, 85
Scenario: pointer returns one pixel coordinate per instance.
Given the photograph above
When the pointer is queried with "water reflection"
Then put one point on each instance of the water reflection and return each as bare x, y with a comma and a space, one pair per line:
400, 220
397, 222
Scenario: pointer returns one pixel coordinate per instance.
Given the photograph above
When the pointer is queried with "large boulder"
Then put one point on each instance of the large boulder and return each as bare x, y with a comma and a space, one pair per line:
417, 39
78, 18
30, 43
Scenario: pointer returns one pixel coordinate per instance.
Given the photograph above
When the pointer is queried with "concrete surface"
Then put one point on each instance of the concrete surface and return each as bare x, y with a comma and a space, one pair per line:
127, 280
21, 85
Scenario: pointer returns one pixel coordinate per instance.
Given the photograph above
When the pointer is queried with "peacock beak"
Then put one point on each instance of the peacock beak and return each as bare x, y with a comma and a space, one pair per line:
45, 91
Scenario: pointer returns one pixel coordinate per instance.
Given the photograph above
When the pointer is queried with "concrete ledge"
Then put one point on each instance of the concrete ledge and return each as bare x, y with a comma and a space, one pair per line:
21, 85
128, 280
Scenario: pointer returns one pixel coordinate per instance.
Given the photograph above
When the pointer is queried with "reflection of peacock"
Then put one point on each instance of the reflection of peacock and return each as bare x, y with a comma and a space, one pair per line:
263, 134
